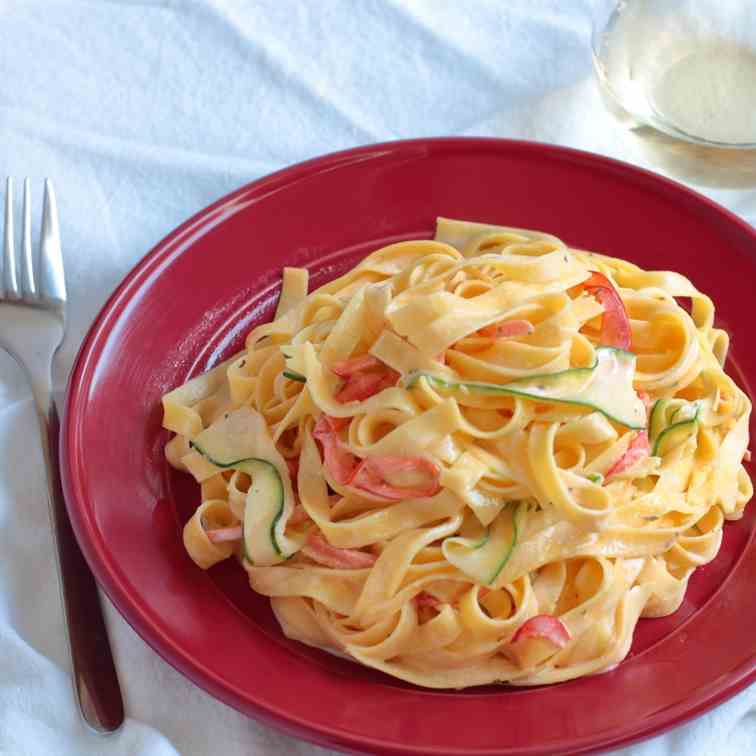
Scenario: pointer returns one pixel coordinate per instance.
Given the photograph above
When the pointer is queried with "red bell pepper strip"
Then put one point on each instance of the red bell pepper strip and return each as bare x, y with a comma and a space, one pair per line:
361, 386
320, 551
338, 460
638, 449
363, 377
426, 599
345, 368
615, 325
219, 535
544, 626
372, 474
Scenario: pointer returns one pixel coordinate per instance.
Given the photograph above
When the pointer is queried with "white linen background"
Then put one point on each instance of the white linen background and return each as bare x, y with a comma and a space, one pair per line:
143, 113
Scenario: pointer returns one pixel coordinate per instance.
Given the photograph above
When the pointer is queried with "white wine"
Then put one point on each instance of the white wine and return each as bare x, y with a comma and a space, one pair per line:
688, 99
710, 94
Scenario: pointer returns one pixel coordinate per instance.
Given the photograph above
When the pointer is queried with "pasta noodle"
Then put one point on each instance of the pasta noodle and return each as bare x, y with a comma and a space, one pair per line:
474, 459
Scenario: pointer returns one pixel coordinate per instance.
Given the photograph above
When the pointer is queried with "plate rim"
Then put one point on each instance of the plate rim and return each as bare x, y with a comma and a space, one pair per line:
181, 238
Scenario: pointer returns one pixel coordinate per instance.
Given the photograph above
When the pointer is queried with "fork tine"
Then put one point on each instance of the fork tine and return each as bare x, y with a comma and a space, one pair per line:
52, 280
10, 281
28, 287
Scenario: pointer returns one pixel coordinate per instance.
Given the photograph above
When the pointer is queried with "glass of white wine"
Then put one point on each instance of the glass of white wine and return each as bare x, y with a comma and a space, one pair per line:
681, 76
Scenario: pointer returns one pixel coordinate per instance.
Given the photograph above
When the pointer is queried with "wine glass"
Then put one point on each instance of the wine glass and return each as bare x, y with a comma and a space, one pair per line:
681, 76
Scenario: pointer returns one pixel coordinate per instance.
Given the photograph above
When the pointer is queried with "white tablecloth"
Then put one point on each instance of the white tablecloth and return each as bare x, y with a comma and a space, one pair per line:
145, 111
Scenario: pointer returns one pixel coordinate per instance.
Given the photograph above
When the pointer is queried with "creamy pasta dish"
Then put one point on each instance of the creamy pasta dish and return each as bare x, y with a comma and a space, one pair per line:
474, 459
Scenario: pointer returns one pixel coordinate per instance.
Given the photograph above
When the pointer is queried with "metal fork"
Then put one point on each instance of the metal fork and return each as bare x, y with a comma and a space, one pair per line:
32, 324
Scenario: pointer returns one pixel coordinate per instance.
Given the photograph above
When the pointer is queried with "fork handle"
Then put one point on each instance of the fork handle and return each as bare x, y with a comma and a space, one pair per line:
94, 674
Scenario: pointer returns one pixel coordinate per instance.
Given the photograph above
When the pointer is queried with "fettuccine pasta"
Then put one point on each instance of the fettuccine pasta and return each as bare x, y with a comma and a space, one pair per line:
474, 459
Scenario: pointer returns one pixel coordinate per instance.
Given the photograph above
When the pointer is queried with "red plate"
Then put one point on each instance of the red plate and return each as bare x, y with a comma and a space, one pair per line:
189, 303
